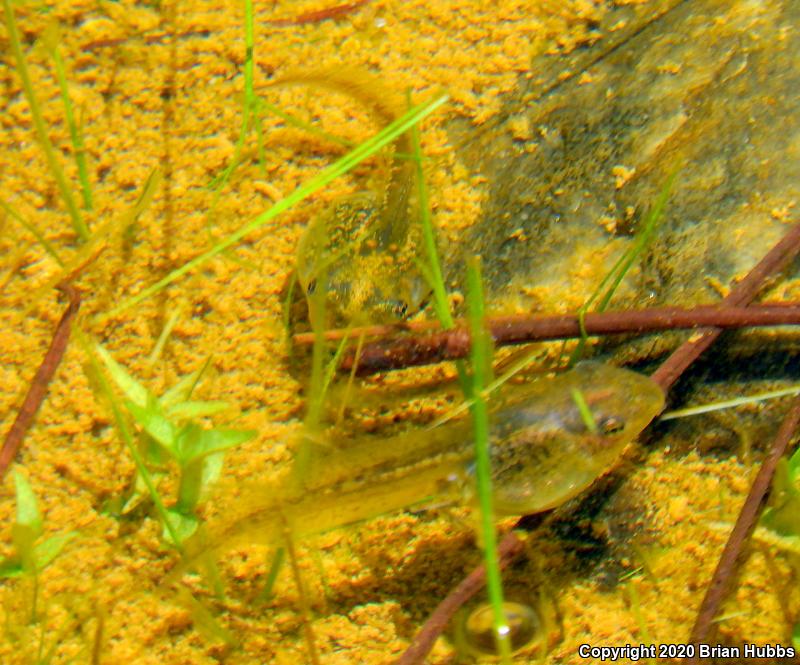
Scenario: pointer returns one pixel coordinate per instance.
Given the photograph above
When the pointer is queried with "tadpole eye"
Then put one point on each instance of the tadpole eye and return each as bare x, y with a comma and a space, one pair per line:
611, 425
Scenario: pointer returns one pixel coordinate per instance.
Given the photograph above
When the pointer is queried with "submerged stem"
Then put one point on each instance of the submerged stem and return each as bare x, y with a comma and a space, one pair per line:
480, 417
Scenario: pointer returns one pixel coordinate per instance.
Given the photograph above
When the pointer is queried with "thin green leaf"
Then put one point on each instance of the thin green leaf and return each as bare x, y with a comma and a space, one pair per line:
152, 419
180, 391
139, 493
28, 514
39, 124
48, 550
585, 412
212, 469
183, 526
190, 410
480, 359
133, 390
11, 211
191, 486
194, 442
127, 437
10, 567
24, 537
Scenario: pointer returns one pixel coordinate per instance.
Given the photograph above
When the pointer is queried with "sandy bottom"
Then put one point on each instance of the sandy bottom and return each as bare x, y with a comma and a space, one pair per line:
172, 107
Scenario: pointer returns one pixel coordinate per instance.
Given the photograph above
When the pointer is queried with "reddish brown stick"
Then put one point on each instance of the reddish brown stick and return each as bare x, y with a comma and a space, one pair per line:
531, 327
41, 380
774, 261
414, 350
669, 371
320, 14
733, 554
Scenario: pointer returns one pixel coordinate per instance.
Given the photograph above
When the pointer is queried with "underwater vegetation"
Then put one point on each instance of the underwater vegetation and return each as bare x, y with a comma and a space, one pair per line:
182, 168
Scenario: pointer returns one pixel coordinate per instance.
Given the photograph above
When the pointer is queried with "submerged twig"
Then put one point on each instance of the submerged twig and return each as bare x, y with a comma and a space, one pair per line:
733, 554
319, 15
41, 380
743, 293
430, 344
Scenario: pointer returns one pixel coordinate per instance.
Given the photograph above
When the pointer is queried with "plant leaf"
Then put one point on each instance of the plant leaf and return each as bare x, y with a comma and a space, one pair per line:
184, 526
10, 567
198, 442
50, 548
189, 410
28, 514
133, 390
212, 469
180, 391
24, 537
152, 419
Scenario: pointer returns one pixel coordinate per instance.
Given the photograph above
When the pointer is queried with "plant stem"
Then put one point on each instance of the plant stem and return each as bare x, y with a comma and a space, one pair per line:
75, 131
480, 362
38, 122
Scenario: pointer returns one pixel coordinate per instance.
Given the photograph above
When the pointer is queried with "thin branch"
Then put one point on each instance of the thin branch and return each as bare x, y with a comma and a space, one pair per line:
435, 345
41, 380
733, 555
774, 261
319, 15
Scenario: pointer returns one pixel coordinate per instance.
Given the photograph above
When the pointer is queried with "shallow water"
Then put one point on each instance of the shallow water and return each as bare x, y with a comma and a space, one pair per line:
565, 120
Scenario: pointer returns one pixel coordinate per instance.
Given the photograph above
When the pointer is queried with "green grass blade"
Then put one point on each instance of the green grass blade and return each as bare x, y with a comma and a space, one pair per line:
609, 284
583, 409
133, 390
434, 272
166, 331
338, 168
480, 357
317, 388
729, 403
12, 212
78, 224
75, 130
272, 575
643, 238
249, 109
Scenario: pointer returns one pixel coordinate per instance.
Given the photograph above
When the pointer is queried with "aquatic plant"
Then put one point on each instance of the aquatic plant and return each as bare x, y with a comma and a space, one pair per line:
780, 521
610, 283
169, 425
31, 555
51, 39
481, 375
78, 223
